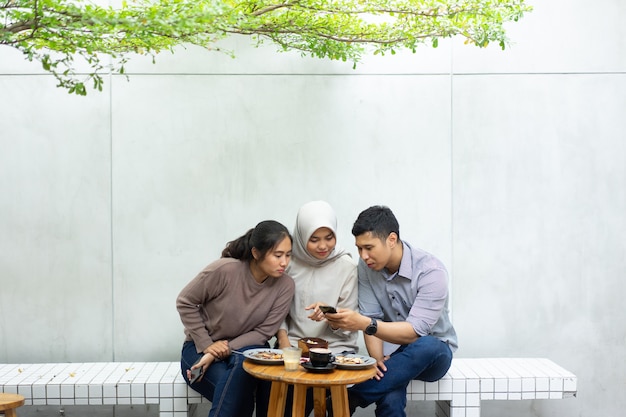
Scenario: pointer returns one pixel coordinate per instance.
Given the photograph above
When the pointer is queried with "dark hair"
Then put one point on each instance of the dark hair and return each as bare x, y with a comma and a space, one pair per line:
379, 220
264, 237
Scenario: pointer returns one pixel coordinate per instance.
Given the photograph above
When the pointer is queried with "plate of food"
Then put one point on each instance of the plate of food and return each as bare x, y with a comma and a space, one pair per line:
265, 356
352, 361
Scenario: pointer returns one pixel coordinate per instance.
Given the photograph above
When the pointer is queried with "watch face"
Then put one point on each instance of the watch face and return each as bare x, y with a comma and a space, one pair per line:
371, 329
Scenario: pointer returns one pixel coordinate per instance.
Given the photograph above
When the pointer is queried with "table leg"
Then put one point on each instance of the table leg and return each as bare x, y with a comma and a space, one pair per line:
299, 400
339, 395
278, 399
319, 401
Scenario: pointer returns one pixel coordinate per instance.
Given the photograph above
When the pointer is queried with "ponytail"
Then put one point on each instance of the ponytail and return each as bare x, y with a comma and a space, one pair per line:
264, 237
240, 248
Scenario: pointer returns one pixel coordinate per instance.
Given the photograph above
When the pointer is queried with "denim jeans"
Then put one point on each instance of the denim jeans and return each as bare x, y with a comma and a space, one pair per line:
426, 359
231, 390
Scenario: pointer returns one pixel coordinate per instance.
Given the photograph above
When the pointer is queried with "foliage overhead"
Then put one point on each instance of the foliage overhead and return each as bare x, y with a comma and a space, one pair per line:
59, 32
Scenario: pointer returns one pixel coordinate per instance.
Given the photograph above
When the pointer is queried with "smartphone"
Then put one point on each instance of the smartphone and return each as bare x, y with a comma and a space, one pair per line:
196, 373
327, 309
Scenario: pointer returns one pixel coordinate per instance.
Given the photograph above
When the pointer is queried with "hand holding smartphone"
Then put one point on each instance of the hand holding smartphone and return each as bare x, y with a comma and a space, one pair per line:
327, 309
196, 374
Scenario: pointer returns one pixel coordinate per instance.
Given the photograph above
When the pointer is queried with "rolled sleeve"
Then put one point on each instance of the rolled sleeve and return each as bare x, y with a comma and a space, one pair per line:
429, 302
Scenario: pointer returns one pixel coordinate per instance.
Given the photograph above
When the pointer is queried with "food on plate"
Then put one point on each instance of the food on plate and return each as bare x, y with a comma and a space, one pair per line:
267, 355
352, 360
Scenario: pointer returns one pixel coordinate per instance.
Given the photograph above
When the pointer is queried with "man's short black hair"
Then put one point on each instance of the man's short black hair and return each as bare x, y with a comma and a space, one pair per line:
379, 220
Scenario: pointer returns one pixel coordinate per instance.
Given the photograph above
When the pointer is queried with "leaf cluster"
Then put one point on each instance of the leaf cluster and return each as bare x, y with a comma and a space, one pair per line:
59, 33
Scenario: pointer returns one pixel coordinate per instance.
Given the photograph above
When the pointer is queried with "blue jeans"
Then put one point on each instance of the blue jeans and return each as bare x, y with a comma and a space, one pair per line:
231, 390
426, 359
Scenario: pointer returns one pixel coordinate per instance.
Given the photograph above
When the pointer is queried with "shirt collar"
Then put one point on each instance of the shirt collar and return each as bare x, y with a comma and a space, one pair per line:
405, 270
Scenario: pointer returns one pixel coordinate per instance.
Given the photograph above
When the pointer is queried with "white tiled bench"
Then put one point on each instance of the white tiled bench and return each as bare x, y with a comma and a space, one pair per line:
470, 381
102, 383
458, 394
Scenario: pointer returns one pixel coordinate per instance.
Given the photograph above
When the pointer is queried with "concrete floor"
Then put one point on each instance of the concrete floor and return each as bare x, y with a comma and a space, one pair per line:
414, 409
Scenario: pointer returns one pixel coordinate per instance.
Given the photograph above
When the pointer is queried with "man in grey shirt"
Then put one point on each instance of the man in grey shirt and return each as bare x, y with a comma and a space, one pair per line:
403, 300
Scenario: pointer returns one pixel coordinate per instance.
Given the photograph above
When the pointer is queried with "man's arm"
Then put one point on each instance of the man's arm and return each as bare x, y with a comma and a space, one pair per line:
400, 332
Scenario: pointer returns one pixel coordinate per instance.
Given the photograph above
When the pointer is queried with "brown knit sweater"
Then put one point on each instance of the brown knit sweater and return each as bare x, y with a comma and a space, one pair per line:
225, 302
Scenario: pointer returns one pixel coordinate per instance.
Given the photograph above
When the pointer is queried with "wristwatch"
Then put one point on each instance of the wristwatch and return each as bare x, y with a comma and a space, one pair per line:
372, 328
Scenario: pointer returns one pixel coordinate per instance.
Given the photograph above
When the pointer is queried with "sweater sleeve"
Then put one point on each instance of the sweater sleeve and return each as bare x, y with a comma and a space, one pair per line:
190, 304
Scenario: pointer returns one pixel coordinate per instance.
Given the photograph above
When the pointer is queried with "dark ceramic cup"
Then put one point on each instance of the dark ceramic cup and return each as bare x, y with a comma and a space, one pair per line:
320, 357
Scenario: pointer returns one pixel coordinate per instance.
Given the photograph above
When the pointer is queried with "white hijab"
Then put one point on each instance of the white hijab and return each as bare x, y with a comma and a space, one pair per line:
311, 217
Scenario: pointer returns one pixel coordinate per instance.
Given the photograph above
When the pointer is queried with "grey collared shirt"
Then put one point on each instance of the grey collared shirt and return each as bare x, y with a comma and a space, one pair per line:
417, 293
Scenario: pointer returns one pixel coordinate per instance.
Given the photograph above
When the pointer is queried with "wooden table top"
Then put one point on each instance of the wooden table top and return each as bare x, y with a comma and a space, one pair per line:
9, 401
302, 376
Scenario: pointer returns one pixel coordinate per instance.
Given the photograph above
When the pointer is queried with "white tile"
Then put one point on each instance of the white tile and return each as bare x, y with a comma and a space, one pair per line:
458, 385
445, 385
166, 404
570, 384
458, 399
166, 390
556, 385
95, 391
180, 390
472, 412
472, 400
25, 391
487, 385
431, 387
152, 389
419, 387
542, 384
457, 411
180, 404
501, 385
517, 395
556, 395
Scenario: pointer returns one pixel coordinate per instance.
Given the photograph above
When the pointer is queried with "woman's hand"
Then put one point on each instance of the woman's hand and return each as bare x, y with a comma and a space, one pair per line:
205, 361
317, 314
220, 349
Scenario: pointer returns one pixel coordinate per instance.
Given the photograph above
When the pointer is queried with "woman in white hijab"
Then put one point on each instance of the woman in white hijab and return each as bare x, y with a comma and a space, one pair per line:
324, 274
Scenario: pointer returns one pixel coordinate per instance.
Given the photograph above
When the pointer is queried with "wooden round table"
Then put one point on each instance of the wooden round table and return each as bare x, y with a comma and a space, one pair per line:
9, 402
337, 381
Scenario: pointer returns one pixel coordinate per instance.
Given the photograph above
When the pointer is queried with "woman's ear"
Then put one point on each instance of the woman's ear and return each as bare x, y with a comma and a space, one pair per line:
255, 254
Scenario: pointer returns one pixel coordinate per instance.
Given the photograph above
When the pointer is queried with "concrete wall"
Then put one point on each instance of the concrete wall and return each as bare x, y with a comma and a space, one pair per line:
507, 165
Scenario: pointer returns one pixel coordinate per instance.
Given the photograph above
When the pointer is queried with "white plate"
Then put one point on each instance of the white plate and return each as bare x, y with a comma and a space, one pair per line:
255, 356
366, 362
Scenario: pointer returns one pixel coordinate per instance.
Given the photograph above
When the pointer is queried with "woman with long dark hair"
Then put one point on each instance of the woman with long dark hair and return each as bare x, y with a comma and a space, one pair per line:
236, 303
